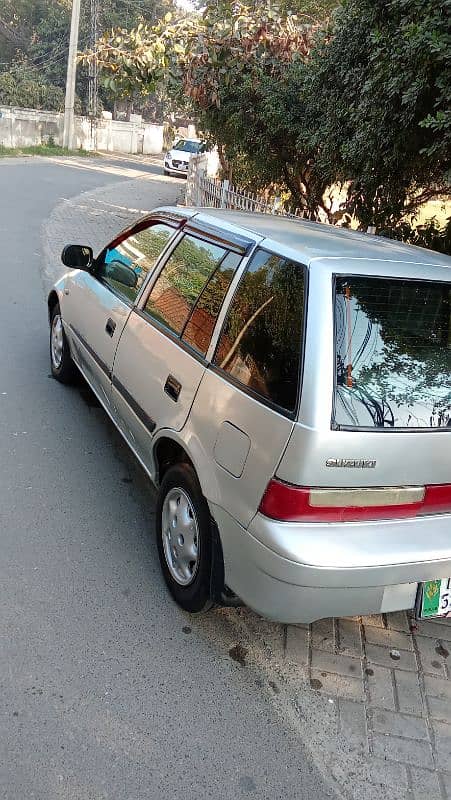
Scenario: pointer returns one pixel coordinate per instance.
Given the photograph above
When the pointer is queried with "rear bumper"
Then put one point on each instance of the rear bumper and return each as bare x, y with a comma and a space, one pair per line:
296, 573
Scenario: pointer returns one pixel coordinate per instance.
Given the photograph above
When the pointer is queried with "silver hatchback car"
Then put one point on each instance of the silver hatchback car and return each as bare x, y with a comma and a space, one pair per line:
287, 386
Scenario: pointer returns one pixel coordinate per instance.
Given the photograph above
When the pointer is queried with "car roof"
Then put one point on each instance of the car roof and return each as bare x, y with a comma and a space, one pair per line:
313, 240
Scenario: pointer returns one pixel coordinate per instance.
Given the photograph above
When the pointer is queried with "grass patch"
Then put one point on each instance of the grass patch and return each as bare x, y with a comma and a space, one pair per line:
43, 150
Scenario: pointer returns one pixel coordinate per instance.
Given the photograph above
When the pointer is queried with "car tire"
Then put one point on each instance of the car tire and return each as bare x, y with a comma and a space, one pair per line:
185, 539
166, 171
61, 364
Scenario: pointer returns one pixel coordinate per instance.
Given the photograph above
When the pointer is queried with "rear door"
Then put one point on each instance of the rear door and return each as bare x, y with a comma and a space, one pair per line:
160, 360
97, 303
248, 398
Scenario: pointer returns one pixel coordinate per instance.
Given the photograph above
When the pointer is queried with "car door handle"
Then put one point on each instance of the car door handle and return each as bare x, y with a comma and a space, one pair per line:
110, 327
172, 387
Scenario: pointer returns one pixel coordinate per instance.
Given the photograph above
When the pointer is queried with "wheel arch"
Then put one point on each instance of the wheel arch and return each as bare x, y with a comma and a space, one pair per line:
172, 447
52, 300
168, 451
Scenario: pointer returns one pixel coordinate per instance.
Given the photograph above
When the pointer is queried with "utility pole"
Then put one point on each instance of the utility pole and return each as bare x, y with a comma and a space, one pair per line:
68, 134
93, 75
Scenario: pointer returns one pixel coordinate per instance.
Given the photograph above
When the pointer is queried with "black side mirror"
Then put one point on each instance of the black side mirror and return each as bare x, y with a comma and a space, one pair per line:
117, 271
77, 256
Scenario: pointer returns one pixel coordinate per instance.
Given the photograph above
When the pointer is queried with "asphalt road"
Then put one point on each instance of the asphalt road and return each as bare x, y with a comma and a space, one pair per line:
108, 690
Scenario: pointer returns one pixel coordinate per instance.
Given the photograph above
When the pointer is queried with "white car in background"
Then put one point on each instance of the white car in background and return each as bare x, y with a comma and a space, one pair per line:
177, 159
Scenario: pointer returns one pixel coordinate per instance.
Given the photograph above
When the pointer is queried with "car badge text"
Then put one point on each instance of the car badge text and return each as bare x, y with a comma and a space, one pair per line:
352, 463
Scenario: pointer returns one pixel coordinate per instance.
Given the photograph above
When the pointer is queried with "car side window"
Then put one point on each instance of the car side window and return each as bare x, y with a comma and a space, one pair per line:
192, 271
200, 325
128, 261
261, 342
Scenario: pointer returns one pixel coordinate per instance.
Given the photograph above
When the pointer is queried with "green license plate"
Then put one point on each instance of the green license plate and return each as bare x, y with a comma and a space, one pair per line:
435, 599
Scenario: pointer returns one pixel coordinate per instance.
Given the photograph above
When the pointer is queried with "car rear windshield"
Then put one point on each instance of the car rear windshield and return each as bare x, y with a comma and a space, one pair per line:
393, 353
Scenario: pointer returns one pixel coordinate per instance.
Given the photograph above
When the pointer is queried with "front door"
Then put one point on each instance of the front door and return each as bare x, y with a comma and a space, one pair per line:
160, 359
98, 303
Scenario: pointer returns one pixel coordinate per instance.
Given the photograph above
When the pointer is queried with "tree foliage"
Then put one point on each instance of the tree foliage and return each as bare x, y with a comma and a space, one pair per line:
196, 56
25, 87
34, 34
430, 234
230, 65
359, 98
377, 107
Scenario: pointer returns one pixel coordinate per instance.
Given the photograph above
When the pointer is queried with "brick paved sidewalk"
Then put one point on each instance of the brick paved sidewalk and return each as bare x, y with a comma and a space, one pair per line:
371, 696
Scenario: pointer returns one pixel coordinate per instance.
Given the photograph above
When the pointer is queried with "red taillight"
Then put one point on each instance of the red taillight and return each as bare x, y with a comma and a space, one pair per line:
289, 503
437, 499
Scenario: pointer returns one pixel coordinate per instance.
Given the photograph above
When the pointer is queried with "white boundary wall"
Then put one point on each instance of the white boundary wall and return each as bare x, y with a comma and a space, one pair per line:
24, 127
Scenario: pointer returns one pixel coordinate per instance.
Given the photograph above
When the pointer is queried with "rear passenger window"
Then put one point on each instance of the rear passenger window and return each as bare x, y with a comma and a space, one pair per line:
190, 289
260, 345
199, 328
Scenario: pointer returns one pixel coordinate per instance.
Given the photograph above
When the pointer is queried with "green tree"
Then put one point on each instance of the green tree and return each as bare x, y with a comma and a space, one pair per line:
25, 87
35, 33
230, 66
377, 105
361, 101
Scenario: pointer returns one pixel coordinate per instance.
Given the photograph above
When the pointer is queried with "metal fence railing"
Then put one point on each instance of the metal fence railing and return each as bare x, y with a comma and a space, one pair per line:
205, 191
202, 191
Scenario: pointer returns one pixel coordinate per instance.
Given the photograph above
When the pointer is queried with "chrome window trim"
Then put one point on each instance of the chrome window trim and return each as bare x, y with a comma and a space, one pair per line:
174, 337
167, 248
232, 240
365, 429
259, 398
148, 284
212, 275
174, 220
125, 300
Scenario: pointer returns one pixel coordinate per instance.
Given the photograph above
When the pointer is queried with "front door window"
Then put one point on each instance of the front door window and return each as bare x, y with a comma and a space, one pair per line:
127, 262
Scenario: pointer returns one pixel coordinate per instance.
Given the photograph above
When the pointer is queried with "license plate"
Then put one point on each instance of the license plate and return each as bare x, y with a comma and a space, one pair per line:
435, 599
